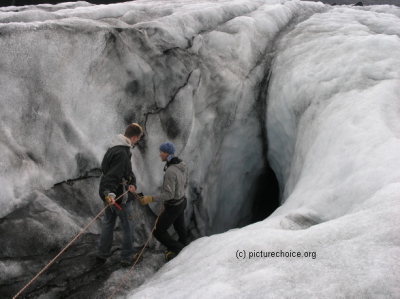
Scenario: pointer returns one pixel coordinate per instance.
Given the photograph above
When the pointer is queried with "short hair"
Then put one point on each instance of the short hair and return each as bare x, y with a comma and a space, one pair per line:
133, 130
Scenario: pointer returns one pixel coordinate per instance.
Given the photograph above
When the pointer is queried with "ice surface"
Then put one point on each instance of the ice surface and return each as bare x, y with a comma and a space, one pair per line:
116, 74
343, 266
333, 133
200, 74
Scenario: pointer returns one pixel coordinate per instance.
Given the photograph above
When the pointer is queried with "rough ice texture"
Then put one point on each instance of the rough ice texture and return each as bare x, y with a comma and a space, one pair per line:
318, 85
189, 72
333, 133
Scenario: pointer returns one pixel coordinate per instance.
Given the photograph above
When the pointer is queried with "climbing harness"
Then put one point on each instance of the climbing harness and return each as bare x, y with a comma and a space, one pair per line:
83, 230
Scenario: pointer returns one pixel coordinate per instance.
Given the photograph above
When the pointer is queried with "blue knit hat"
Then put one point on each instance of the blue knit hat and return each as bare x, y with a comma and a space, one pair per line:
168, 148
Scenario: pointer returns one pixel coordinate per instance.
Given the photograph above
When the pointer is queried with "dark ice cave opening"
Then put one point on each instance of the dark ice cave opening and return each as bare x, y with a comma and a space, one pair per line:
266, 198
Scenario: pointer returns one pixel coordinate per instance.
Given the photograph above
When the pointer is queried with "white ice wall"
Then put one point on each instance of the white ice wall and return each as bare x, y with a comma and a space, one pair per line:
189, 72
333, 130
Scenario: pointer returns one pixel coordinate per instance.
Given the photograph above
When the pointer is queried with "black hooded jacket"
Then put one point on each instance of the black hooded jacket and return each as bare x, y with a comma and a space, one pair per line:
117, 168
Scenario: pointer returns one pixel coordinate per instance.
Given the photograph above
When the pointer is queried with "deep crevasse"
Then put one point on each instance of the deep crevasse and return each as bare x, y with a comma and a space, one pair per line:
193, 77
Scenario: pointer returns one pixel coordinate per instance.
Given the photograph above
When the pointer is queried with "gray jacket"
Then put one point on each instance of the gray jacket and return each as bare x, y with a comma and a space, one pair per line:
176, 179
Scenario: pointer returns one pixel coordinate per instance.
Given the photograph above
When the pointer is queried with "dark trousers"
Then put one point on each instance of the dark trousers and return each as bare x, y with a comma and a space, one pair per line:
107, 230
172, 215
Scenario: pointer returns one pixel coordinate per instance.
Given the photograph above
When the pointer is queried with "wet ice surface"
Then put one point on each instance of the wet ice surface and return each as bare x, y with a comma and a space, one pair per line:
78, 274
314, 88
30, 244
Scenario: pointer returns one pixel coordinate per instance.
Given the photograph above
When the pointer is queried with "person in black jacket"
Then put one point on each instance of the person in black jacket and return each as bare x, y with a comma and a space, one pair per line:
117, 178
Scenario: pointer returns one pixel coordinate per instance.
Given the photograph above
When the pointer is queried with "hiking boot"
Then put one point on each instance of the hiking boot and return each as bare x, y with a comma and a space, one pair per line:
170, 255
130, 260
102, 257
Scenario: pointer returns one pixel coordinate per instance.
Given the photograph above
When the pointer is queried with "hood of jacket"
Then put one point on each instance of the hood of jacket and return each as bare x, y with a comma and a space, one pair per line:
181, 166
121, 140
176, 162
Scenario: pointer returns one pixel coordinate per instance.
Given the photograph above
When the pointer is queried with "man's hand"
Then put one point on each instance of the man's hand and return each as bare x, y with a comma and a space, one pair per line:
110, 198
131, 188
145, 200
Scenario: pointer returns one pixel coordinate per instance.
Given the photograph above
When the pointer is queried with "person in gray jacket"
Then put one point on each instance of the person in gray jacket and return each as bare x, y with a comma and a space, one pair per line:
176, 180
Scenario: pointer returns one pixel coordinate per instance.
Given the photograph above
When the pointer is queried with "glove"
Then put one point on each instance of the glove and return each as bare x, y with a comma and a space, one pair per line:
145, 200
109, 196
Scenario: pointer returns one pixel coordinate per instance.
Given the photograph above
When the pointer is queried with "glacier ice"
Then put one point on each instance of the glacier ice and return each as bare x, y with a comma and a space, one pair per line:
333, 136
312, 88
